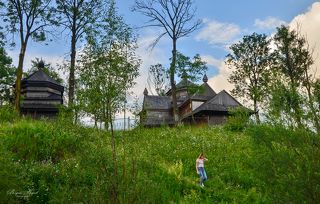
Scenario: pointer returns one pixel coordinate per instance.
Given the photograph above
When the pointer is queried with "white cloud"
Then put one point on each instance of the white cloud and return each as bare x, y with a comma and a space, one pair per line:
32, 55
218, 33
269, 23
148, 57
220, 81
309, 26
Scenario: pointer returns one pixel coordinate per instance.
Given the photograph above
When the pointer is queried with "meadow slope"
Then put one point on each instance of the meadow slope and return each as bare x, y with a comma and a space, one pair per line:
52, 161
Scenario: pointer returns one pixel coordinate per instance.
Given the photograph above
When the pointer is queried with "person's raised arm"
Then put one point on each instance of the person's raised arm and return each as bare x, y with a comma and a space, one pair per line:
197, 164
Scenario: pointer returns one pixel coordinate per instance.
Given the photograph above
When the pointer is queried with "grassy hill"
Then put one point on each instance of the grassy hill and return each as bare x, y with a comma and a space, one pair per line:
53, 161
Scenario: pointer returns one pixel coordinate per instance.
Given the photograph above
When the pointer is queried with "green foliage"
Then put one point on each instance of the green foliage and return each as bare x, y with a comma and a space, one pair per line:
2, 36
79, 19
41, 161
316, 93
58, 162
29, 20
86, 12
186, 68
48, 69
108, 68
290, 73
251, 60
238, 119
286, 161
8, 114
292, 56
39, 142
158, 79
34, 16
7, 76
191, 69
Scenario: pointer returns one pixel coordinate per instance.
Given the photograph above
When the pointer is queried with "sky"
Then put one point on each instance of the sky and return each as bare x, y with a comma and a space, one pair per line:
223, 23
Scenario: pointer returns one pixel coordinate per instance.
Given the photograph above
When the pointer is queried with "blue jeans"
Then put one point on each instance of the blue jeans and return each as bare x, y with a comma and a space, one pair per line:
202, 174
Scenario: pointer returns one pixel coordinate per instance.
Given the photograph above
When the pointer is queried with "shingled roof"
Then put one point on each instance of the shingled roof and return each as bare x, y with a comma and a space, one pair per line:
40, 76
157, 102
204, 104
41, 79
184, 84
222, 102
205, 93
42, 94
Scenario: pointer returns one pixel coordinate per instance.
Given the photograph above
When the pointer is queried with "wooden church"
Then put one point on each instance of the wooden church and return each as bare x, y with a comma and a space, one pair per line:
41, 94
202, 107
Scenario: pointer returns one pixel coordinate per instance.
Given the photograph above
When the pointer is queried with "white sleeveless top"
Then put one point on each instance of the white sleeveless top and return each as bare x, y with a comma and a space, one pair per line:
200, 162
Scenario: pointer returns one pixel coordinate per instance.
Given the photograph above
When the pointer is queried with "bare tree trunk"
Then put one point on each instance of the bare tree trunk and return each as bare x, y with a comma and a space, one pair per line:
114, 158
296, 108
19, 76
95, 122
310, 103
172, 81
255, 104
73, 57
72, 70
124, 173
124, 116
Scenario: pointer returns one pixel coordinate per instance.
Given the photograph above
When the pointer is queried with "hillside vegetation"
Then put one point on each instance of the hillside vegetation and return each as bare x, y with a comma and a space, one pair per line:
53, 161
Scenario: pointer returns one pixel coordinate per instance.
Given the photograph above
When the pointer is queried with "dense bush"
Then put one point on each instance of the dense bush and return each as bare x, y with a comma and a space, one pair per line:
8, 114
55, 161
238, 119
287, 162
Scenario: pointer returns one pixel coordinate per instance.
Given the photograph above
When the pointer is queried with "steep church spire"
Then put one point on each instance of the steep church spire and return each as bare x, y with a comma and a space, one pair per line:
205, 78
145, 92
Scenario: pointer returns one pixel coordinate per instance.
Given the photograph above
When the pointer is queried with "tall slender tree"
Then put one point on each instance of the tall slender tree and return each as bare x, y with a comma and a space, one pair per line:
29, 19
109, 67
251, 59
296, 85
292, 60
176, 18
78, 17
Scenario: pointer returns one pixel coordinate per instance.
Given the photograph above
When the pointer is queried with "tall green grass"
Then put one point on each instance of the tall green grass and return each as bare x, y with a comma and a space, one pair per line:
54, 161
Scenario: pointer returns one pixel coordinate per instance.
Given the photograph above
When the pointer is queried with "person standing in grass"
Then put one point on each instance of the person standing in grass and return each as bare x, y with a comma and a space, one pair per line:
200, 169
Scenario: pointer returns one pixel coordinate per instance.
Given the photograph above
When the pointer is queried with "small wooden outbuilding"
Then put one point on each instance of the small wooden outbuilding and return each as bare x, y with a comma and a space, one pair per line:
41, 94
